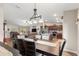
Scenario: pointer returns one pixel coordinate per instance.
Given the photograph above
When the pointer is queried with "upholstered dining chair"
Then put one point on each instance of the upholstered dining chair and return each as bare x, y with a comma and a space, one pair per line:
20, 46
30, 48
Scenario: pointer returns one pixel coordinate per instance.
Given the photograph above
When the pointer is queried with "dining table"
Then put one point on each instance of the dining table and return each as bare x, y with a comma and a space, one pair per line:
48, 47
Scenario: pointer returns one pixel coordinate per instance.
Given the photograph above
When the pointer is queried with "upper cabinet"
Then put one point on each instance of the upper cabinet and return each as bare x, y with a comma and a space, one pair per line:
55, 27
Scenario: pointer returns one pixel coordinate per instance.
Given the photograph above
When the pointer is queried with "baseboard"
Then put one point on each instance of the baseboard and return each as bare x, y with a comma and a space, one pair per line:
76, 52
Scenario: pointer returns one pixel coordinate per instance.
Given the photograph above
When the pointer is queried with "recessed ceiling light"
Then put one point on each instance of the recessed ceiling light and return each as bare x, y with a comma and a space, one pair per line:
55, 15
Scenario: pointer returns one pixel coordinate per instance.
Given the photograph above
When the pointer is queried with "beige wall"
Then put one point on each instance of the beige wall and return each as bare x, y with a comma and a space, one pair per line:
17, 28
1, 23
78, 37
12, 27
24, 29
70, 29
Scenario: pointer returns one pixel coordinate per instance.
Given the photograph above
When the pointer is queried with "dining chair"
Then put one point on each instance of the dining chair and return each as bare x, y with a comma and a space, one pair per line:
30, 48
20, 46
61, 47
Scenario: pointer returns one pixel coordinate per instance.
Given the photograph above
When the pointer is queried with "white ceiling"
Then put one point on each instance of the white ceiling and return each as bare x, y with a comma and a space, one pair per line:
17, 12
